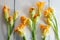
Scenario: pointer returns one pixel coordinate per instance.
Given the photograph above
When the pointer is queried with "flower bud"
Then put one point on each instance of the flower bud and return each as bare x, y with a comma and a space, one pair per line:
32, 12
24, 19
47, 14
10, 19
29, 22
6, 12
20, 30
15, 15
36, 18
48, 21
45, 29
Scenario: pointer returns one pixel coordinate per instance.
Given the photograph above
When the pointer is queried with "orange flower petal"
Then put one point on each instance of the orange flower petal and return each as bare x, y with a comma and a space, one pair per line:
31, 9
36, 15
20, 27
24, 19
40, 5
44, 27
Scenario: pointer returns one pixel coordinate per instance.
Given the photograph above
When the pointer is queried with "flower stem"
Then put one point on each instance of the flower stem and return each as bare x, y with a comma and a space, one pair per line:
9, 27
24, 38
56, 34
44, 38
12, 28
8, 38
33, 35
56, 28
34, 31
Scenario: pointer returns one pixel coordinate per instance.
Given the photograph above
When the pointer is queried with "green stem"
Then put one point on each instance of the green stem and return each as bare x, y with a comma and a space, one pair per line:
12, 28
56, 31
33, 35
8, 38
24, 38
34, 31
44, 38
8, 27
55, 20
55, 28
56, 34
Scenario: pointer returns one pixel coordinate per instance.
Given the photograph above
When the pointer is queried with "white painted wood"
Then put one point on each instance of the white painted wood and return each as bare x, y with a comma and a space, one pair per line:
23, 7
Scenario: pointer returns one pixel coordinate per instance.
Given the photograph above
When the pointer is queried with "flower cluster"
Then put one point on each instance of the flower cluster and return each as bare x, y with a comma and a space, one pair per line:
51, 20
35, 14
21, 27
10, 20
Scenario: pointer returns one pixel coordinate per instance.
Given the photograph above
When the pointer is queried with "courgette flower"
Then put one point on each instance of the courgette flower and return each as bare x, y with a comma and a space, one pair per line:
49, 12
32, 12
40, 5
20, 29
45, 29
29, 22
6, 12
10, 19
48, 21
51, 20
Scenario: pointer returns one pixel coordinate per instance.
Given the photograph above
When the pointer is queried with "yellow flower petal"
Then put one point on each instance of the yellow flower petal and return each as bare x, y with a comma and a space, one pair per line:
47, 14
40, 5
51, 9
48, 21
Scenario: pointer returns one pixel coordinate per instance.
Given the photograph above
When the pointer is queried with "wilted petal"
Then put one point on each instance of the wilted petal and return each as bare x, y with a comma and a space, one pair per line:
6, 12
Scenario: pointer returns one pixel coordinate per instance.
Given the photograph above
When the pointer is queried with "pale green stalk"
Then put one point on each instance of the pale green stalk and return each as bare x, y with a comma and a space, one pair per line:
55, 27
